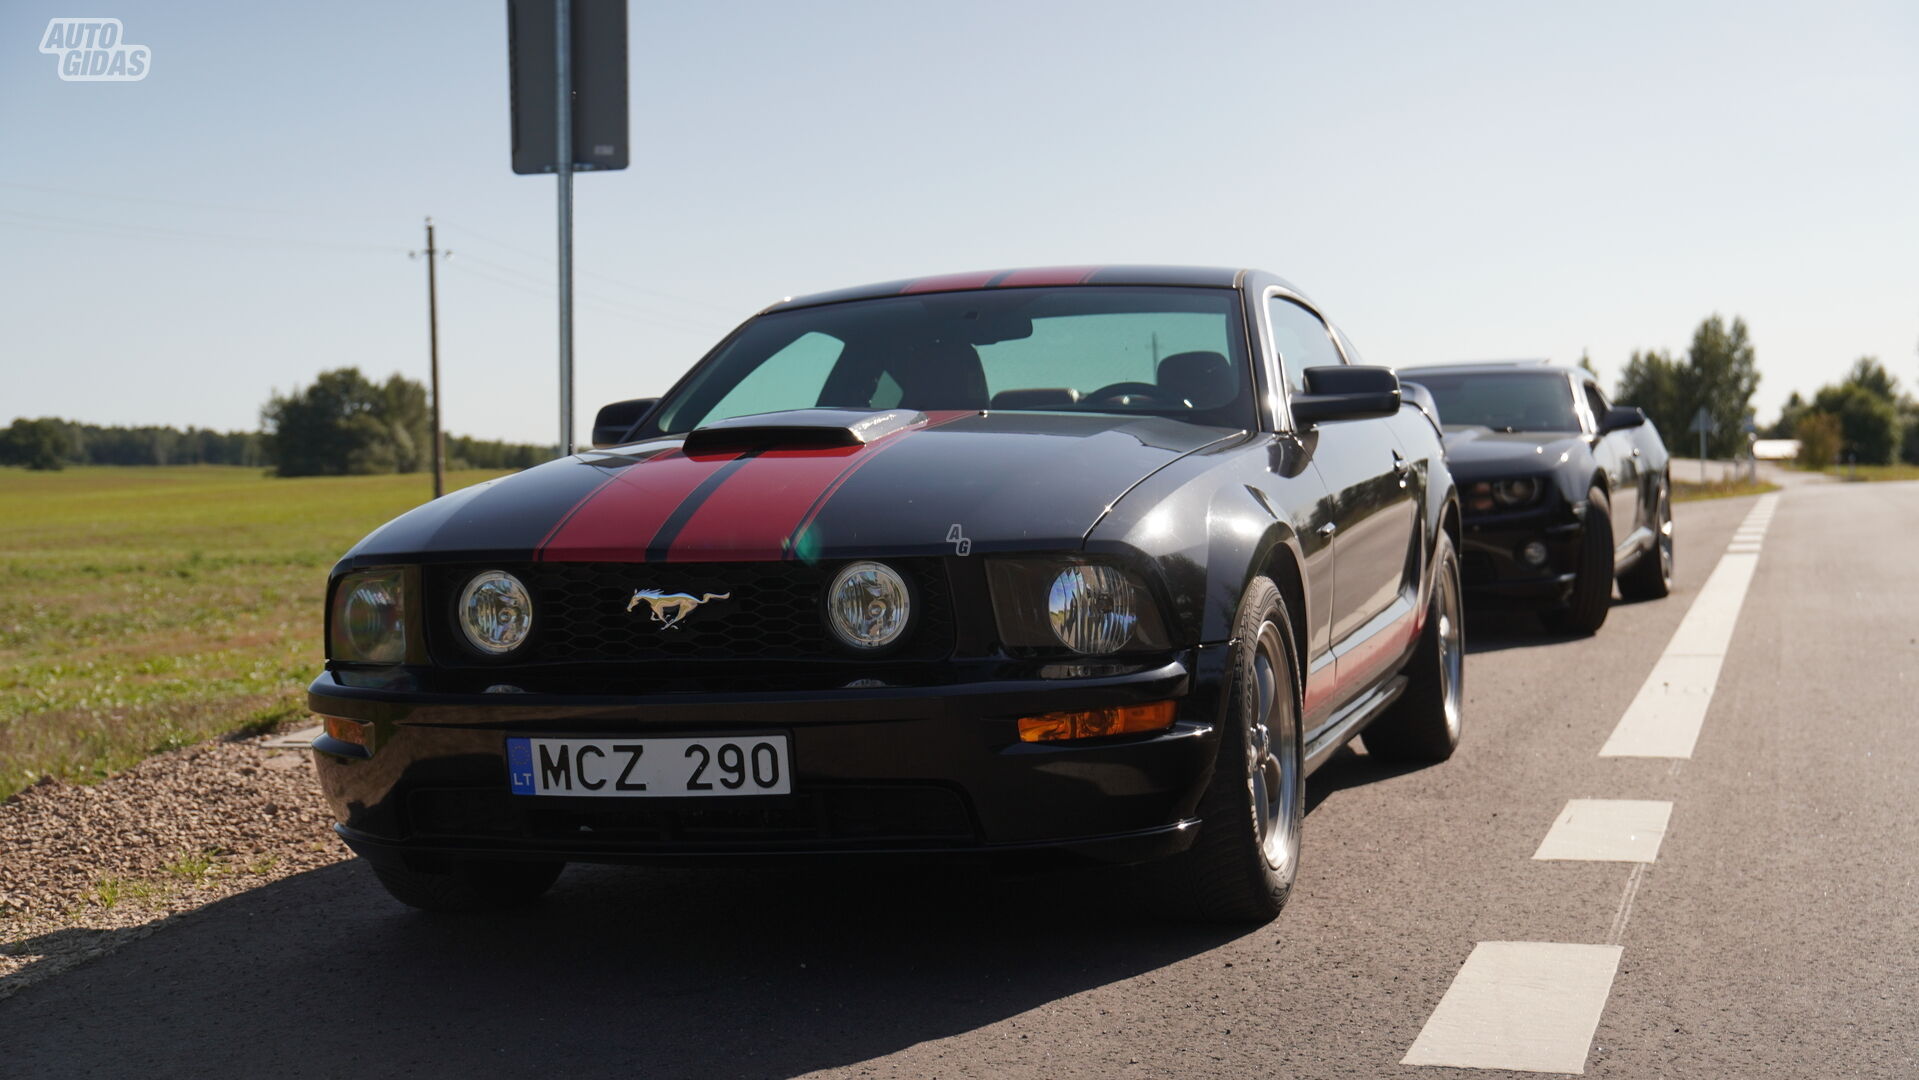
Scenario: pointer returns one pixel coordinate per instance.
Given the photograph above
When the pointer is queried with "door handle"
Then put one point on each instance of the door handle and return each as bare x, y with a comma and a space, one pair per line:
1328, 529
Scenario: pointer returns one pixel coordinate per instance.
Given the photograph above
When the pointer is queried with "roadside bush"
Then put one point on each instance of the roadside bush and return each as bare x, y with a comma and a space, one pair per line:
1819, 438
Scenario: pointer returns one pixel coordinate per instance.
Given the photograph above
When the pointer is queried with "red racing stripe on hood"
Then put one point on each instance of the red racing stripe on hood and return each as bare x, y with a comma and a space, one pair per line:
619, 521
749, 517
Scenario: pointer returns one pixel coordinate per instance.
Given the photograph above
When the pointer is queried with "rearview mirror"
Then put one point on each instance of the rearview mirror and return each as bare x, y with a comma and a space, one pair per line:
1621, 417
615, 423
1346, 392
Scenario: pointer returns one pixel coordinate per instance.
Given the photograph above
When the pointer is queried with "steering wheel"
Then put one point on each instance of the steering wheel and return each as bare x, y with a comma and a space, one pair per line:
1109, 394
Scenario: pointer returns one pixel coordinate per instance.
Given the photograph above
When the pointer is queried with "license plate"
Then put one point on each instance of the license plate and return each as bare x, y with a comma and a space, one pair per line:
650, 768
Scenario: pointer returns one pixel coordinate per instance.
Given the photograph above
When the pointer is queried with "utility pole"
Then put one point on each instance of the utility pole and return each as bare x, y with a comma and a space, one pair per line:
433, 353
563, 158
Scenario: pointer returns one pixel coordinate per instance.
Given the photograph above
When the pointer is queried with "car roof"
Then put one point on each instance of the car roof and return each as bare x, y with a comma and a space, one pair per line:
1491, 367
1034, 277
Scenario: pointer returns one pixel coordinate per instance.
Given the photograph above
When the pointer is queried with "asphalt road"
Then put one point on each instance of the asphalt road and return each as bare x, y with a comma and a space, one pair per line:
1776, 934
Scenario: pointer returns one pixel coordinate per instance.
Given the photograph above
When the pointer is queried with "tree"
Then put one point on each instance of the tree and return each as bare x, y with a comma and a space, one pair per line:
1720, 376
1789, 414
1819, 439
37, 444
1870, 375
346, 424
1586, 362
1652, 382
1868, 423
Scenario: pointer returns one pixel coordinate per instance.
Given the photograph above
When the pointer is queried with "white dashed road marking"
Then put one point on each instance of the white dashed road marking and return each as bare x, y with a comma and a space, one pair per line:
1664, 719
1607, 830
1525, 1005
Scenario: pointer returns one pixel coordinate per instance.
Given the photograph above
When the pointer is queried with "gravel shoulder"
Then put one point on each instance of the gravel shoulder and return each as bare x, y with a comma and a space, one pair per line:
85, 869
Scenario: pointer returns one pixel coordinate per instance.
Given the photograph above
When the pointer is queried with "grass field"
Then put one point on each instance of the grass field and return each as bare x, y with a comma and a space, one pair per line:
143, 609
1692, 491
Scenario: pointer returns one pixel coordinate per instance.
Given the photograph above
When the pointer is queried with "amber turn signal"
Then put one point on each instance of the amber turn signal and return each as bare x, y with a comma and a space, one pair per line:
1093, 723
349, 731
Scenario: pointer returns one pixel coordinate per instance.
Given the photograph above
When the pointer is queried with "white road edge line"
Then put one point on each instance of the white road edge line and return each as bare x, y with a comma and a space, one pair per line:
1607, 830
1530, 1006
1663, 721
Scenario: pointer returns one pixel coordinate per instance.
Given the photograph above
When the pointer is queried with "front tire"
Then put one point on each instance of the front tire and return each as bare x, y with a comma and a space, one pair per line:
1424, 724
1651, 577
1592, 587
470, 884
1242, 866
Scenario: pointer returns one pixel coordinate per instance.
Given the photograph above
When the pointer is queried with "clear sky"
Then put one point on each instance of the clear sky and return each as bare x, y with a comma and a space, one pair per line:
1451, 181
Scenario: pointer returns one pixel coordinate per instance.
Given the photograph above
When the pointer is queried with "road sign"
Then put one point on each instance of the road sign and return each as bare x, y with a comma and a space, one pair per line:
598, 69
1702, 422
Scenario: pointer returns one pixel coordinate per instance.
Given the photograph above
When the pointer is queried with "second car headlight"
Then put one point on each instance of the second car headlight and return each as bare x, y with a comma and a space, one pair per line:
496, 612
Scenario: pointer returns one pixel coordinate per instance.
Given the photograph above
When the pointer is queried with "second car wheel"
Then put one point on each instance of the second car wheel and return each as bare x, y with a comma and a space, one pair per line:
1586, 611
1424, 724
1651, 577
1243, 864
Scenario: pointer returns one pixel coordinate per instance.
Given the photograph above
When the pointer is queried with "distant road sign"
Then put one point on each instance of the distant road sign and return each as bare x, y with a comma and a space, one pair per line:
1702, 422
599, 85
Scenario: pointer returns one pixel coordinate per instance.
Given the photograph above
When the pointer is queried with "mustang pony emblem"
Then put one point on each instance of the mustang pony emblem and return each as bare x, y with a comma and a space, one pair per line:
670, 608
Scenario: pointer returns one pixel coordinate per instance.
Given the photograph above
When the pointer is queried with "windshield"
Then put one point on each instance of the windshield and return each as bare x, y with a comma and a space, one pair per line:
1501, 400
1174, 352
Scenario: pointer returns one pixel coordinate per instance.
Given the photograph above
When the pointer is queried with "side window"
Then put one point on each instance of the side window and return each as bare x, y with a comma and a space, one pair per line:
1301, 341
1596, 401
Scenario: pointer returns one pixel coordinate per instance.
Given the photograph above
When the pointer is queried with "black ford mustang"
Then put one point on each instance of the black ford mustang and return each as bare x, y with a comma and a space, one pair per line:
1562, 490
1090, 561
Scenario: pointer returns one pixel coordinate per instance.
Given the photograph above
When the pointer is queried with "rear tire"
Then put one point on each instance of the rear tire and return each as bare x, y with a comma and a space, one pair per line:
470, 884
1651, 577
1243, 864
1424, 724
1592, 588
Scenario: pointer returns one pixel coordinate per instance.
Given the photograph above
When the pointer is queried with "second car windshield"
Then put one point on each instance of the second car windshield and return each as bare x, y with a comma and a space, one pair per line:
1172, 352
1503, 401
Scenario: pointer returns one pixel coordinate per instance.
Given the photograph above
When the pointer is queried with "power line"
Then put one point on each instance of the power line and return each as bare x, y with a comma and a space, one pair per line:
547, 259
159, 232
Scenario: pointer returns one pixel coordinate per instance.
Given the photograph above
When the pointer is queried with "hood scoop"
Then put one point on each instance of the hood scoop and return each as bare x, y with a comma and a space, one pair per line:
799, 429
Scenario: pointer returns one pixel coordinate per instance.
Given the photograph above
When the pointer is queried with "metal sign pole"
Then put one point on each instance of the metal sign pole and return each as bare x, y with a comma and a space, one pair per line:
563, 49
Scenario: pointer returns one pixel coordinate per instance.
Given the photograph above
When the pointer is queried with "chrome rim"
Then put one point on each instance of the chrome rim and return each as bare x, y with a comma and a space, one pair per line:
1665, 535
1272, 755
1452, 644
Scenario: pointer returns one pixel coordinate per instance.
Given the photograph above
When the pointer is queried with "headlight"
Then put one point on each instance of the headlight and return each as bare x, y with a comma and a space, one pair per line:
369, 618
868, 606
1090, 608
1505, 494
496, 612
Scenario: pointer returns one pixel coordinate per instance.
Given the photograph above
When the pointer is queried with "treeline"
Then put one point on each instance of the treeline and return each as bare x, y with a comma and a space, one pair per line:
1718, 373
343, 425
1862, 418
50, 443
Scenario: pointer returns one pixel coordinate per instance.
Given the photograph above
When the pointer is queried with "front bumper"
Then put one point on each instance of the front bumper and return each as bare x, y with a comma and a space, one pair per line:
1496, 575
935, 769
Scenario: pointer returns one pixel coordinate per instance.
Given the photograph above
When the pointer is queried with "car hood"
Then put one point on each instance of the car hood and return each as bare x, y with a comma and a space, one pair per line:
953, 483
1477, 453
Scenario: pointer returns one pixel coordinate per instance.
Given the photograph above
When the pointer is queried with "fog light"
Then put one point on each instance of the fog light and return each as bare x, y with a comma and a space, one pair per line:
1534, 553
1093, 723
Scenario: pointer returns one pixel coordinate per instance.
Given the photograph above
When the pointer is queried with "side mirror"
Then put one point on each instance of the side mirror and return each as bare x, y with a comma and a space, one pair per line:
1621, 417
616, 422
1346, 392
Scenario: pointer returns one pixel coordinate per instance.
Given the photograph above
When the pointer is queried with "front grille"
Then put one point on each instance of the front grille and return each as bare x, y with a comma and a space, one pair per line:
846, 814
773, 611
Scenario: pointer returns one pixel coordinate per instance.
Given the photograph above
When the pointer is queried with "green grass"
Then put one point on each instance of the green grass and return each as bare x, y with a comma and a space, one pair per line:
143, 609
1691, 491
